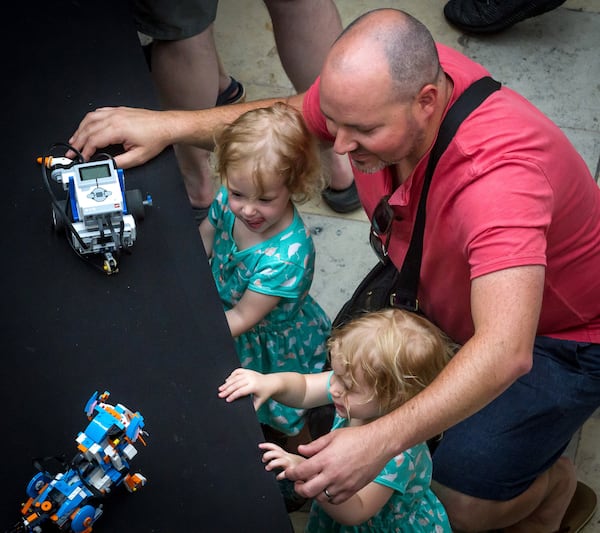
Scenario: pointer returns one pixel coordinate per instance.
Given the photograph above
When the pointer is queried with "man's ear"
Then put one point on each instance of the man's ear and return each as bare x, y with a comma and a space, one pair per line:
426, 101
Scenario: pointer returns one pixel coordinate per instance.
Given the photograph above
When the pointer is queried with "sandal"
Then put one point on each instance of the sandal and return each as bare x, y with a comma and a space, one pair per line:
580, 510
234, 94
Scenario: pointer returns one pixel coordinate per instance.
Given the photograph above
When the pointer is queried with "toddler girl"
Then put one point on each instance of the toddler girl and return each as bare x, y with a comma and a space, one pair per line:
262, 255
379, 361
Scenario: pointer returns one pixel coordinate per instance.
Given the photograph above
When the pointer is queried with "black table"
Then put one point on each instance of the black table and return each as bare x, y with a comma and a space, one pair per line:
154, 334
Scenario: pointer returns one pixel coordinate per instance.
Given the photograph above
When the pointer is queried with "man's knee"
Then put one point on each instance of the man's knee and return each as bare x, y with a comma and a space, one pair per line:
461, 508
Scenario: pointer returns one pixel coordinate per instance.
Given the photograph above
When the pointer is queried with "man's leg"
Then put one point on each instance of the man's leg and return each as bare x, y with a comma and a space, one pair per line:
186, 74
539, 509
503, 466
304, 32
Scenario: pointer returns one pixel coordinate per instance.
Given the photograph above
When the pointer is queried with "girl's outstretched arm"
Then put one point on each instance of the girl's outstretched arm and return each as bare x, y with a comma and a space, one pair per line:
357, 509
290, 388
275, 457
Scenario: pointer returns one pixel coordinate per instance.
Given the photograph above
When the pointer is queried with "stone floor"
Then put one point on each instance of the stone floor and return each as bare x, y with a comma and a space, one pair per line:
553, 60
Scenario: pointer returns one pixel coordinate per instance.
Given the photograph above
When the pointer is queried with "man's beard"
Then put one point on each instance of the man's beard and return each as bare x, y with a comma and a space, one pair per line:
370, 169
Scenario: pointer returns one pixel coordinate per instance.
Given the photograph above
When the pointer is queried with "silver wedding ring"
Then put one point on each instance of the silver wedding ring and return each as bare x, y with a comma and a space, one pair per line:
329, 496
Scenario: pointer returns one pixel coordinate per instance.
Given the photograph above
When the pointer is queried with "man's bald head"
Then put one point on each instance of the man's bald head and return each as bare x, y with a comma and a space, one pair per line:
387, 39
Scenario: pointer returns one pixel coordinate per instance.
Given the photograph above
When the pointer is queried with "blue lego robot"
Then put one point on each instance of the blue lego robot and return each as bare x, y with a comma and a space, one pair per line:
69, 499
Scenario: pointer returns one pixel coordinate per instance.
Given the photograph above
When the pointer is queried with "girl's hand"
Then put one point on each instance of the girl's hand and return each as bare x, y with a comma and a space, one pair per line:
243, 382
276, 457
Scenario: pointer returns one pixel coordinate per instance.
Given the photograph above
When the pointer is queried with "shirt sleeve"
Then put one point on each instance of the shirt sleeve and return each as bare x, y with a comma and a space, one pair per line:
402, 470
506, 226
311, 110
215, 213
278, 278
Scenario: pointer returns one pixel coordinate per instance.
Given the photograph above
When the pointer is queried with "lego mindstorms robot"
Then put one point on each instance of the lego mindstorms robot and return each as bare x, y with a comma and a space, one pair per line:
98, 214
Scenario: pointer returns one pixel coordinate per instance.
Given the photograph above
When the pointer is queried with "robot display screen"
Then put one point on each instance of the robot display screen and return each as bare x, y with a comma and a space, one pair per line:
94, 172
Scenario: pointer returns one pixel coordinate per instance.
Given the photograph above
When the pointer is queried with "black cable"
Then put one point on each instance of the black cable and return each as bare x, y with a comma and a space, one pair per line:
101, 221
57, 207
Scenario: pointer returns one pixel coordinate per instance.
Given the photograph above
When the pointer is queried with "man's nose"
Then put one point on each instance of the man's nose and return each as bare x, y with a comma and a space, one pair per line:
343, 142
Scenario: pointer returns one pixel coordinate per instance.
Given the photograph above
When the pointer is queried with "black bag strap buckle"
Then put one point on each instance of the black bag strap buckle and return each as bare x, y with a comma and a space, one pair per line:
404, 301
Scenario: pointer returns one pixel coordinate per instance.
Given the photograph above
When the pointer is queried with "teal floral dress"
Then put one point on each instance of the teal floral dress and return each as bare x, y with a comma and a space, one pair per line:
412, 508
292, 337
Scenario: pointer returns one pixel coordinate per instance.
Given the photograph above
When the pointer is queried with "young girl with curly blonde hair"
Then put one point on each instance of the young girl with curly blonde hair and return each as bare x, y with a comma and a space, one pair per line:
379, 361
262, 255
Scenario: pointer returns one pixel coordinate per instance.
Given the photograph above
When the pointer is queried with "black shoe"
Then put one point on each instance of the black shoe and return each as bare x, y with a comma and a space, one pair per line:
343, 200
490, 16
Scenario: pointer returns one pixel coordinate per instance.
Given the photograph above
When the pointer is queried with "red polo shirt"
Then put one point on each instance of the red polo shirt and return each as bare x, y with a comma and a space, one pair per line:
510, 190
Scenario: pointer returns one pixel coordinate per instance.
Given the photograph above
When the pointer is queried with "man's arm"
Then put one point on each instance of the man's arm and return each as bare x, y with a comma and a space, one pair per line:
505, 312
145, 133
200, 127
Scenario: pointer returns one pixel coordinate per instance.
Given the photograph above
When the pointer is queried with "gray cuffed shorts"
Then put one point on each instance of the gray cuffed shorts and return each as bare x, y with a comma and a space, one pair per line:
169, 20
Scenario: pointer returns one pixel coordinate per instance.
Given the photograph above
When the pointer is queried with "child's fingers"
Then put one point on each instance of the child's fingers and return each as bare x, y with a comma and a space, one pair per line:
274, 464
235, 387
269, 446
231, 395
237, 375
271, 455
237, 372
235, 379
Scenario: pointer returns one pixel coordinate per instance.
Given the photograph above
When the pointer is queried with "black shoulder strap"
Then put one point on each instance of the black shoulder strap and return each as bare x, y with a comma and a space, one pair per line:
408, 278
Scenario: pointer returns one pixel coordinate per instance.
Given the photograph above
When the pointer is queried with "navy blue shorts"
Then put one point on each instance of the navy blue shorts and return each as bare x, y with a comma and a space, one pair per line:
167, 20
497, 453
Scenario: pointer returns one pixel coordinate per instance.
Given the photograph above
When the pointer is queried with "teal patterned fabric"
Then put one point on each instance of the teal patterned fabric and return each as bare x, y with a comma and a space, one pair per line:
291, 338
412, 508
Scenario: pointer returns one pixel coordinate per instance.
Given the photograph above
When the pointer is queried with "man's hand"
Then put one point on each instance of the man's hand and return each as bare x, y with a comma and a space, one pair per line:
142, 132
342, 462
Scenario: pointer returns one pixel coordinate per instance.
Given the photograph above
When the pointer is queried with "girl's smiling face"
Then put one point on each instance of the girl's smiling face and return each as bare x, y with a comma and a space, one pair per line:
352, 398
267, 213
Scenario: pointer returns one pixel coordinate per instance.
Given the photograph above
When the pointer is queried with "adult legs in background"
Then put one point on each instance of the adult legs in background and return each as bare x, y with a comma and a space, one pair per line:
304, 31
189, 75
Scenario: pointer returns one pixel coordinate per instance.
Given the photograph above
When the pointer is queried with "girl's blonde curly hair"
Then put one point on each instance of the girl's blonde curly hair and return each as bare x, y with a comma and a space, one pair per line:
398, 354
277, 142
